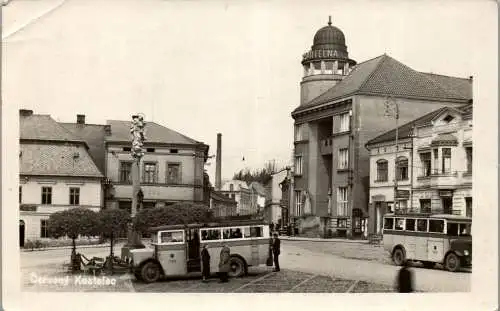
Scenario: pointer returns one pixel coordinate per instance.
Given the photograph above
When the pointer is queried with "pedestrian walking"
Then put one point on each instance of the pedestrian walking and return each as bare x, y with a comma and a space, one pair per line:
224, 264
205, 263
276, 244
405, 279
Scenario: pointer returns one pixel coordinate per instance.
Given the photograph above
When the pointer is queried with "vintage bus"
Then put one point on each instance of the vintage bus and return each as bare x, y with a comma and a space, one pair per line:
430, 239
175, 249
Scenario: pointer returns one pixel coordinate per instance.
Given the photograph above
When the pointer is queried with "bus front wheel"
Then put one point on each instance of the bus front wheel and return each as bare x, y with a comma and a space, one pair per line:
452, 262
150, 272
237, 267
398, 257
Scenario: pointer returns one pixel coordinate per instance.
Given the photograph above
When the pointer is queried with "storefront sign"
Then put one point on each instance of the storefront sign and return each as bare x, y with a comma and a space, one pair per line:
445, 193
402, 194
323, 54
28, 207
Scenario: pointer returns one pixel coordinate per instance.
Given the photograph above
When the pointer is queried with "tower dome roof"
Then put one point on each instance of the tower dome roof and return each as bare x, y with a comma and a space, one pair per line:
329, 38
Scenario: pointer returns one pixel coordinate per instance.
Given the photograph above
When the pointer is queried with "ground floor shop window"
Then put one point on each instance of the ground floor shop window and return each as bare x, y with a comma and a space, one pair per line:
425, 205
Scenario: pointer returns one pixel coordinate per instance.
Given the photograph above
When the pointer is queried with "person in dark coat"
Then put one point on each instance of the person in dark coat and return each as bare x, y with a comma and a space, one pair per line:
405, 279
205, 263
276, 244
224, 264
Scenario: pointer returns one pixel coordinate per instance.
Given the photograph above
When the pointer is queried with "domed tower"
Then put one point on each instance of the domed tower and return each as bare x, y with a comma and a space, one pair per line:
325, 64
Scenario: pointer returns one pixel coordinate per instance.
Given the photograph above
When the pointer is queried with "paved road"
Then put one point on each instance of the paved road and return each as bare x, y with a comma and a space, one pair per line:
300, 257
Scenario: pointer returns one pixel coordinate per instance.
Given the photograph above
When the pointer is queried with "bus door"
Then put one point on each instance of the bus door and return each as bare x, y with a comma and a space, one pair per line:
435, 250
435, 245
171, 252
193, 250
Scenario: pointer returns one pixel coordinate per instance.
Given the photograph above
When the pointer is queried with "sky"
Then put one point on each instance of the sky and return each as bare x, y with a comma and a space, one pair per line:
230, 67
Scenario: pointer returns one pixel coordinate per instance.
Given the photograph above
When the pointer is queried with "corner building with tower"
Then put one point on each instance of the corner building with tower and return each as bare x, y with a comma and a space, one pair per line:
343, 106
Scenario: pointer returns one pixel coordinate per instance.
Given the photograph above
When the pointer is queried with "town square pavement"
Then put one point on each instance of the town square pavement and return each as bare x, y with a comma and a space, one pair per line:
306, 267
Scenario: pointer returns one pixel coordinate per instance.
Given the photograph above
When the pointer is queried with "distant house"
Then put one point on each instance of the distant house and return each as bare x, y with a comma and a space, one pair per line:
258, 193
273, 208
57, 172
241, 193
222, 205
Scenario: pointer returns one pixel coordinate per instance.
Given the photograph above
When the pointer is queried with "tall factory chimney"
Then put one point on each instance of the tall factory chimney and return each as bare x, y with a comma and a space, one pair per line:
218, 164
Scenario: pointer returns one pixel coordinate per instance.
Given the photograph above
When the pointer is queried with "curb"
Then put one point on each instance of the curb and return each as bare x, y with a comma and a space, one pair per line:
284, 238
63, 247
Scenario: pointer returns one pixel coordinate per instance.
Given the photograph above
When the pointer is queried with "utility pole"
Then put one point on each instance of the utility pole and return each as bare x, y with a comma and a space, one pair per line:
137, 131
392, 110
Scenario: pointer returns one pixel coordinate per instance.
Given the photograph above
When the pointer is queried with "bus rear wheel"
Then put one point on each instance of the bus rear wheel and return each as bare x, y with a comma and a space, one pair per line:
452, 262
398, 257
237, 267
150, 272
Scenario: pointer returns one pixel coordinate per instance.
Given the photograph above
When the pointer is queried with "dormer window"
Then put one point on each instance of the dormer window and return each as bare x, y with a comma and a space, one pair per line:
448, 118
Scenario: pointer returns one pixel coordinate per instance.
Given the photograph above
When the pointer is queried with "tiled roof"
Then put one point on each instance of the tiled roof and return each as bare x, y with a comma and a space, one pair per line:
405, 130
155, 133
93, 135
56, 160
43, 127
386, 76
221, 197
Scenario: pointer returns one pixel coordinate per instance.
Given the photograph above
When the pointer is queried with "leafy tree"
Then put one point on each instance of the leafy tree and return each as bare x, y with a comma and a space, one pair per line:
73, 223
260, 175
176, 214
112, 223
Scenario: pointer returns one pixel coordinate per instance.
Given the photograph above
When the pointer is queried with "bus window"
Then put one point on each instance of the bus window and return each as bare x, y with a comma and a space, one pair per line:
389, 223
256, 232
232, 233
172, 237
436, 225
399, 225
465, 229
422, 225
410, 224
452, 229
246, 232
210, 234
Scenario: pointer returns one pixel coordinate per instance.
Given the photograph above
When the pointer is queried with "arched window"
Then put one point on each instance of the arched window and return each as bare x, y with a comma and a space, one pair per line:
402, 168
382, 170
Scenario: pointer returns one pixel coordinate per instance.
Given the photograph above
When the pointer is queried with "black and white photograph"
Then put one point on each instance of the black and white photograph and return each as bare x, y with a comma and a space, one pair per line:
271, 149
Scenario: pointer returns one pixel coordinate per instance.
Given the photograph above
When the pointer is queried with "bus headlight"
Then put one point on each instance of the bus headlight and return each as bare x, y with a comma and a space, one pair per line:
466, 252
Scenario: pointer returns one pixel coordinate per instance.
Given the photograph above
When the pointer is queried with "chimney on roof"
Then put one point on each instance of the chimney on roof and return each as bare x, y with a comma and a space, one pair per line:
218, 163
25, 112
80, 119
107, 130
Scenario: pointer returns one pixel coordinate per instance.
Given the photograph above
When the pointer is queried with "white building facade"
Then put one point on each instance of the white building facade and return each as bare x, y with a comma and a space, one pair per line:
56, 173
171, 169
432, 167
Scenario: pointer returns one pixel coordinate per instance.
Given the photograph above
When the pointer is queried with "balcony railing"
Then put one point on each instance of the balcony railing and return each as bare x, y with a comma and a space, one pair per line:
434, 211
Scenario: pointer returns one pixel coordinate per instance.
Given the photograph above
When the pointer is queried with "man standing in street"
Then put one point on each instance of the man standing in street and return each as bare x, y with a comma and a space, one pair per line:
275, 244
205, 263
